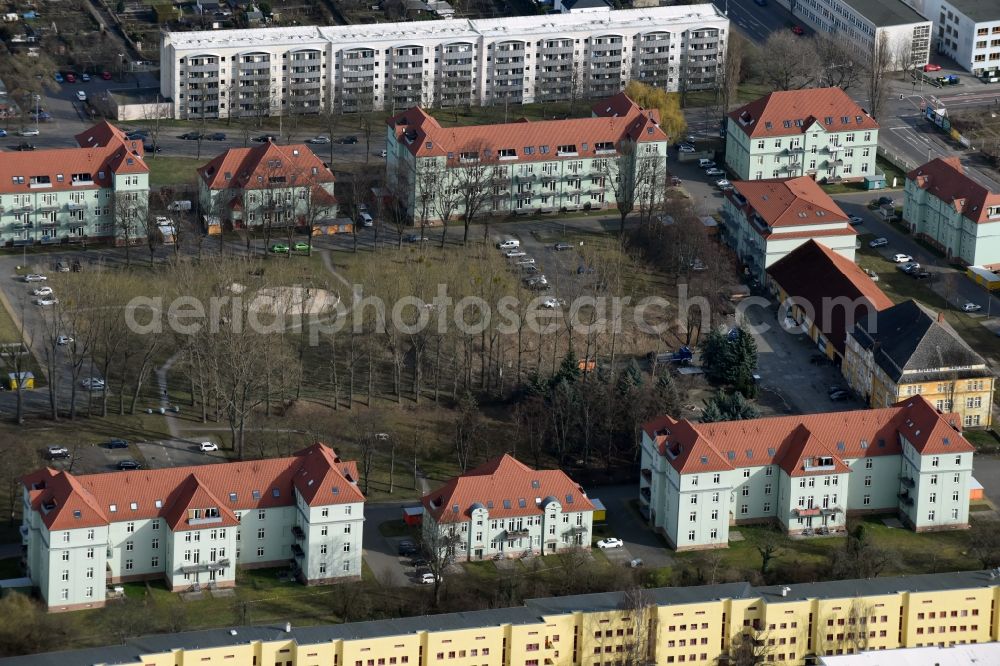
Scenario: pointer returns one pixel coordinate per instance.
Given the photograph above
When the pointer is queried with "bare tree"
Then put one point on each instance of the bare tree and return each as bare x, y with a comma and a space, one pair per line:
839, 66
748, 648
848, 628
984, 543
731, 72
624, 177
16, 358
876, 76
789, 62
639, 616
472, 179
439, 544
131, 211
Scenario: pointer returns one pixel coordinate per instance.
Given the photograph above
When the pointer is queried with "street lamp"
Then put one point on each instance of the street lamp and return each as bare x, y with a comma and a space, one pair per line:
38, 98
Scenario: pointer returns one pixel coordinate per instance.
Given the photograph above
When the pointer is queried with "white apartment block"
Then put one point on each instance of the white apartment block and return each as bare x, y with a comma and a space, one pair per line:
391, 66
504, 508
527, 167
191, 526
806, 474
968, 31
861, 24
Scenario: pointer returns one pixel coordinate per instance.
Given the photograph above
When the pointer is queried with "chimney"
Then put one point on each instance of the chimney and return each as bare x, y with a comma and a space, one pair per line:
785, 590
941, 317
288, 627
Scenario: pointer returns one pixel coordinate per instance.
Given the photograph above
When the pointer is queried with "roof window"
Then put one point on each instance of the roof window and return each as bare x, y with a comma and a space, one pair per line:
134, 506
77, 514
113, 508
569, 498
256, 494
506, 504
704, 460
158, 504
232, 497
521, 503
768, 124
335, 490
787, 123
275, 492
535, 483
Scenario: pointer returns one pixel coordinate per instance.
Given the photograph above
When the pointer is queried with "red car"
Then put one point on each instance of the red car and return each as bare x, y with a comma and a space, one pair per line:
797, 29
106, 75
930, 67
70, 77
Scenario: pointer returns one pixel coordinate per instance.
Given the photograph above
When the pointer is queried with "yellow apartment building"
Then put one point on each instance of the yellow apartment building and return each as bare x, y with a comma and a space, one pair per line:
909, 350
684, 625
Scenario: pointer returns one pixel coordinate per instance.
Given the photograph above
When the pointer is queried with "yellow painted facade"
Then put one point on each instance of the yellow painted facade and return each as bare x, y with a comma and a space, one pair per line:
971, 398
668, 626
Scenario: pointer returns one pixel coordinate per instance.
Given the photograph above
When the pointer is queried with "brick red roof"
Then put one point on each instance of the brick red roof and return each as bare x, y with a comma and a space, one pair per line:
793, 112
423, 136
319, 475
787, 440
103, 149
507, 488
252, 168
816, 275
789, 202
945, 178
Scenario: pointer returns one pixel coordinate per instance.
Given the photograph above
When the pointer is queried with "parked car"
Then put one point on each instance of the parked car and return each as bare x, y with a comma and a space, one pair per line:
92, 384
301, 246
909, 267
59, 77
106, 75
81, 95
319, 140
34, 277
29, 131
42, 291
685, 148
886, 201
559, 247
920, 275
135, 134
366, 219
216, 136
54, 452
407, 547
508, 244
674, 181
279, 248
191, 136
429, 578
180, 204
901, 258
46, 301
128, 464
151, 148
856, 219
971, 307
64, 340
70, 77
350, 140
552, 303
723, 184
85, 78
117, 443
3, 132
264, 138
715, 172
525, 261
208, 446
610, 542
878, 242
415, 238
798, 30
24, 146
511, 254
635, 563
872, 274
931, 67
704, 163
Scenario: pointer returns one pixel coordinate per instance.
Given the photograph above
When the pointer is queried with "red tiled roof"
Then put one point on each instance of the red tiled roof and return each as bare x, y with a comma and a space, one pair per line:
792, 112
620, 105
424, 137
814, 274
319, 475
507, 488
789, 202
103, 149
251, 168
945, 178
786, 440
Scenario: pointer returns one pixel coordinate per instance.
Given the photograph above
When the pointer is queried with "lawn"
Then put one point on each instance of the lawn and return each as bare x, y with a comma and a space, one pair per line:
8, 329
167, 171
909, 552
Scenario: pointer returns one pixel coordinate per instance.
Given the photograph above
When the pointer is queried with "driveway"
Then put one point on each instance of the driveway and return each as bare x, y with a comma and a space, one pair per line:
640, 541
986, 469
177, 453
784, 364
381, 552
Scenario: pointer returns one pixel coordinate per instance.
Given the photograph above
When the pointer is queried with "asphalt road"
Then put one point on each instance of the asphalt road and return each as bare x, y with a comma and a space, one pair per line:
757, 22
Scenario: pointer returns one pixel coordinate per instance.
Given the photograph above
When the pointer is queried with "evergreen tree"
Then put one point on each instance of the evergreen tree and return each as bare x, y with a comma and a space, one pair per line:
668, 400
630, 379
716, 356
744, 349
569, 369
733, 407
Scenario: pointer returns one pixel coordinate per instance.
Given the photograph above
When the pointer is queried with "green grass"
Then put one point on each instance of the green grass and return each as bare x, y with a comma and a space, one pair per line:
166, 171
979, 506
910, 552
982, 438
9, 332
891, 171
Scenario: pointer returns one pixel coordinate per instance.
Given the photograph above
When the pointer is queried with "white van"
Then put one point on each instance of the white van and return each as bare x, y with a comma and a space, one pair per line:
179, 205
509, 244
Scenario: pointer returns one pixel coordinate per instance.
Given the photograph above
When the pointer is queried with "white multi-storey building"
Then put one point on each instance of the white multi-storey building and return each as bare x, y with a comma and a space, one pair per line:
805, 473
861, 24
513, 60
967, 31
504, 508
191, 526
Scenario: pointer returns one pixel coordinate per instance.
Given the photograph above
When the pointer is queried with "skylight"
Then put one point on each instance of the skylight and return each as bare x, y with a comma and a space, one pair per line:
256, 494
232, 497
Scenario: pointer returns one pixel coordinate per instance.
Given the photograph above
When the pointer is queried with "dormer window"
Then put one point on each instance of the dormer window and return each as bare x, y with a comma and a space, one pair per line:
567, 149
507, 154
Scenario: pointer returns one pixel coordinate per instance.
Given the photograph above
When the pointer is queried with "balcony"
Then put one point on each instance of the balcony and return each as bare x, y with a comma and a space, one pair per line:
577, 529
298, 533
907, 481
645, 494
297, 551
647, 474
208, 520
202, 567
806, 511
517, 534
830, 511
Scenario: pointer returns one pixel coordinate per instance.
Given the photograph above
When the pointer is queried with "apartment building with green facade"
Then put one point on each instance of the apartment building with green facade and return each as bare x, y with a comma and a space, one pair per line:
96, 191
526, 167
818, 132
